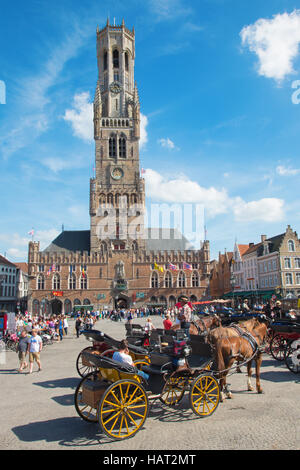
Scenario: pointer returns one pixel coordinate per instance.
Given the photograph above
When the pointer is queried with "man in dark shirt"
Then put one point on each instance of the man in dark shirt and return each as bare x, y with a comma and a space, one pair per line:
22, 350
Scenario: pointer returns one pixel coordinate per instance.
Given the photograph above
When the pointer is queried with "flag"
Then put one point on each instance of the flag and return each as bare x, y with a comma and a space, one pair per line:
159, 268
31, 232
83, 272
143, 171
172, 267
187, 266
53, 268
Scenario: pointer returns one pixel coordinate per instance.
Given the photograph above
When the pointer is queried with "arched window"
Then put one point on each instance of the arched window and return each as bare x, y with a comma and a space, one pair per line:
56, 282
72, 282
291, 245
168, 279
116, 59
195, 279
122, 147
83, 282
105, 60
154, 280
40, 282
134, 246
181, 279
86, 302
77, 302
163, 300
103, 248
68, 306
35, 307
113, 146
126, 62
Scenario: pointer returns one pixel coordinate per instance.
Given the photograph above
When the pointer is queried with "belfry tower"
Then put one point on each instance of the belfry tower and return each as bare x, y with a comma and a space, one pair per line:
117, 193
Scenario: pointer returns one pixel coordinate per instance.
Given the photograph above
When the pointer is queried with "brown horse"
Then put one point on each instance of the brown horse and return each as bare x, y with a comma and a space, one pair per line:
202, 325
241, 348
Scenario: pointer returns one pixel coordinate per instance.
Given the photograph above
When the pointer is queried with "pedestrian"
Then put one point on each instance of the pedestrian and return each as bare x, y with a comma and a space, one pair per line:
78, 325
22, 350
149, 326
60, 328
167, 322
34, 348
65, 325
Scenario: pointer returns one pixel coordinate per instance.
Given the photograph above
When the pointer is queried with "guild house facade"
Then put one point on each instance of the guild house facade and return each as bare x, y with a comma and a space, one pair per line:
118, 262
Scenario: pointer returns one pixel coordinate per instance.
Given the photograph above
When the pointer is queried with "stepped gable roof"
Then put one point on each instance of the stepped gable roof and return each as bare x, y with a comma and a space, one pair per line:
70, 241
157, 240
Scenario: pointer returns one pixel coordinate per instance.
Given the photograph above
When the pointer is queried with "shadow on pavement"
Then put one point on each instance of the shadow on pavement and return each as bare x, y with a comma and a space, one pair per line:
64, 400
69, 382
69, 432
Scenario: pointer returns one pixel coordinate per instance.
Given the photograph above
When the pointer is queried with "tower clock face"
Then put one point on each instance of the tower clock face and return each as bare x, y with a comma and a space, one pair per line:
117, 173
115, 88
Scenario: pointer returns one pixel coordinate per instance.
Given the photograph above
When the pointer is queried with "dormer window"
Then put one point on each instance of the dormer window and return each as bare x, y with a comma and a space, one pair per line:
291, 245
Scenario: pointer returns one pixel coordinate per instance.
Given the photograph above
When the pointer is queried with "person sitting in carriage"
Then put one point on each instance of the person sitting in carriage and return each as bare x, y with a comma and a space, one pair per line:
123, 356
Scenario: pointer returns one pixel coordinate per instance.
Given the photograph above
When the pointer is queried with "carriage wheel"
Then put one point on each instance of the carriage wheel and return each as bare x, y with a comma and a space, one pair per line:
277, 347
123, 409
173, 391
292, 356
82, 369
86, 412
204, 395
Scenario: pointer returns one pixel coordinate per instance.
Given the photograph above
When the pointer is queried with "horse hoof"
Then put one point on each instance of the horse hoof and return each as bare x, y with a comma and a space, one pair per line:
260, 392
250, 389
229, 396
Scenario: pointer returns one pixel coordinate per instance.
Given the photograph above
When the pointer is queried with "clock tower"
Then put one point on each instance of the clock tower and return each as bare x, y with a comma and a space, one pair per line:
117, 192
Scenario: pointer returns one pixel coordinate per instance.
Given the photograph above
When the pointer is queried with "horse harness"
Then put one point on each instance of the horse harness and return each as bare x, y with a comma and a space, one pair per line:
246, 335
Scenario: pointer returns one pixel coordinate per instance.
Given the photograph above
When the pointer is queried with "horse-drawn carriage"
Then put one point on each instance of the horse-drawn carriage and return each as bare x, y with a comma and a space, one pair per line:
284, 342
117, 397
104, 345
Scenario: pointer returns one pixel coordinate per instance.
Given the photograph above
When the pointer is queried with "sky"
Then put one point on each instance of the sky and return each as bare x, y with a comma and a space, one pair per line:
219, 86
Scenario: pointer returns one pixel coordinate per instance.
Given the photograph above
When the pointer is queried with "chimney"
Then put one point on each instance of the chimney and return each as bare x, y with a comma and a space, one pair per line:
263, 238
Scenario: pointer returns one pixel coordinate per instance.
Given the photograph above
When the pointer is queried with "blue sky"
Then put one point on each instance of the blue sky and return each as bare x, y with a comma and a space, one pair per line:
217, 81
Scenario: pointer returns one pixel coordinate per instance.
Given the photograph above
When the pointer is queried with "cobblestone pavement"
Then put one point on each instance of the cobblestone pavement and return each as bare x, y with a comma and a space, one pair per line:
37, 411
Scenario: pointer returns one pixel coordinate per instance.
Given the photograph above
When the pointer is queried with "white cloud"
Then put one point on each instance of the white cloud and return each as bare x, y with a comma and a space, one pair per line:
215, 201
81, 116
183, 190
143, 130
167, 143
264, 210
16, 246
283, 171
276, 43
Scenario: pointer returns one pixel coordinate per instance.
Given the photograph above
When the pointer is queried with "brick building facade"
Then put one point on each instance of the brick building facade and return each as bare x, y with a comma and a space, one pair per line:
118, 262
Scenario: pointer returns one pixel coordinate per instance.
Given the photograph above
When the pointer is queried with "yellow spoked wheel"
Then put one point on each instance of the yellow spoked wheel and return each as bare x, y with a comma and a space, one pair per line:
123, 409
86, 411
173, 391
204, 395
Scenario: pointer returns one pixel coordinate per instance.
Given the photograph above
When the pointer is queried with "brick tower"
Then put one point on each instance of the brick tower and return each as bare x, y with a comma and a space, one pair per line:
117, 185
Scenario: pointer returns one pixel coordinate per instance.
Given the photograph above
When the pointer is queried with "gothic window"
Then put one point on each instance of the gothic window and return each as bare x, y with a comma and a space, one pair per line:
116, 76
72, 282
181, 279
122, 147
56, 282
113, 146
83, 282
154, 280
168, 280
195, 279
100, 273
116, 59
126, 62
105, 60
40, 282
134, 246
